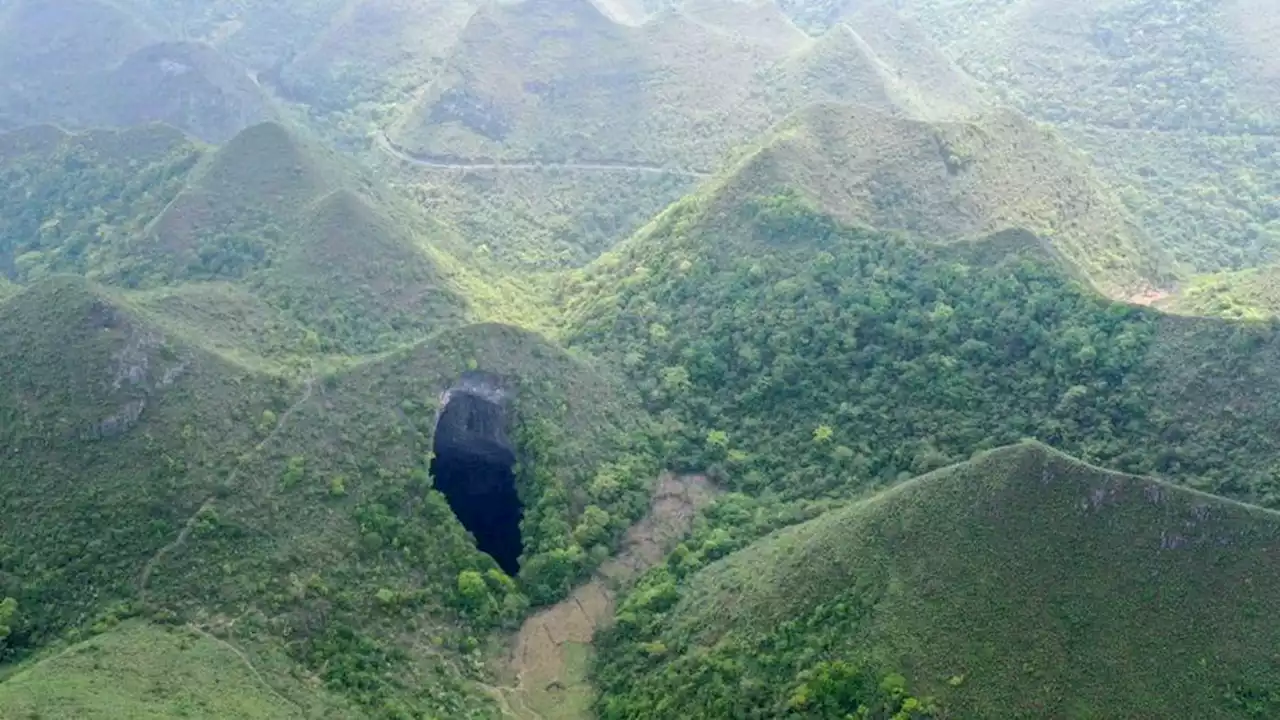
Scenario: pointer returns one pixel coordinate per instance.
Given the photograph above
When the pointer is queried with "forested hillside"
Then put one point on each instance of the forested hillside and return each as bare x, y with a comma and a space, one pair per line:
1023, 583
808, 357
368, 359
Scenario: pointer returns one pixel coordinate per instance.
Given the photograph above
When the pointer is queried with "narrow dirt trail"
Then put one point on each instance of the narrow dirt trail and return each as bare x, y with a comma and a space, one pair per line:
385, 145
145, 577
546, 664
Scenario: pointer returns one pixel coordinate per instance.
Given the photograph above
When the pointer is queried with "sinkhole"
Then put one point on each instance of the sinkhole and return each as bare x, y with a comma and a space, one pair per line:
474, 467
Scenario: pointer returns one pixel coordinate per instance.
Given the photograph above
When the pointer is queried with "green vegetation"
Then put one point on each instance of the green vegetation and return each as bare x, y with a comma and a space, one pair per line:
1252, 294
144, 671
225, 365
807, 358
116, 434
1021, 584
950, 181
1172, 99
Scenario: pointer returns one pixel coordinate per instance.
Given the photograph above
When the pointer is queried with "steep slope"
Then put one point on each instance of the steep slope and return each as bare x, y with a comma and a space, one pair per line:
666, 93
1164, 96
336, 547
187, 85
761, 22
1243, 294
952, 181
521, 138
76, 201
806, 358
1023, 583
89, 64
376, 50
55, 50
296, 522
291, 233
931, 85
313, 236
115, 433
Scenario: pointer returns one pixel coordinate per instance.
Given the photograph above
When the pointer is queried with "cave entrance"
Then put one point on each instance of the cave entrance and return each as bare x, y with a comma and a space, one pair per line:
474, 466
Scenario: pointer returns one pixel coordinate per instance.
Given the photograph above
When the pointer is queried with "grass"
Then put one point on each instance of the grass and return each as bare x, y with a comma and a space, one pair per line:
1252, 294
950, 181
1163, 138
616, 94
1023, 583
212, 99
144, 671
92, 387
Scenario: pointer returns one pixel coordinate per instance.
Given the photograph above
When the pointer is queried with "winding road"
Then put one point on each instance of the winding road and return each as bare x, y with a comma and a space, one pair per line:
389, 148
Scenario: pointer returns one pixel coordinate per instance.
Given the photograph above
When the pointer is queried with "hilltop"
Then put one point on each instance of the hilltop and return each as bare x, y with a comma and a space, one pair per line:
1023, 583
951, 181
58, 50
190, 86
100, 64
298, 238
678, 91
1163, 96
92, 386
821, 358
553, 152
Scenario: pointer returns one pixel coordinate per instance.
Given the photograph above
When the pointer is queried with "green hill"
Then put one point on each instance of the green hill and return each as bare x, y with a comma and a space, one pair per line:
377, 51
810, 358
77, 200
295, 521
1173, 100
187, 85
58, 49
334, 549
671, 92
87, 64
92, 386
144, 671
952, 181
300, 233
1023, 583
760, 22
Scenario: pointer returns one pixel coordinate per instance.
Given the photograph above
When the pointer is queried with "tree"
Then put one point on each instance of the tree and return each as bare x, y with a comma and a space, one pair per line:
8, 611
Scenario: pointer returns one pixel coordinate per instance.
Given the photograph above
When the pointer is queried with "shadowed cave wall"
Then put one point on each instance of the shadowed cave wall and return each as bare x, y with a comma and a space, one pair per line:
474, 467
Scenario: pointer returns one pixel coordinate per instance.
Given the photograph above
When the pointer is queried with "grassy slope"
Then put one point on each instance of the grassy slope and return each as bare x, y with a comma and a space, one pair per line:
1162, 95
115, 430
188, 85
1243, 294
80, 199
953, 180
58, 50
606, 92
288, 226
541, 219
376, 51
144, 671
1047, 587
295, 522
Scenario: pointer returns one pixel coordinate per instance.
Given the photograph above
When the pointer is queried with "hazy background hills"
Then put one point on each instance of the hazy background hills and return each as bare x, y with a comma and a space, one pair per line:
872, 267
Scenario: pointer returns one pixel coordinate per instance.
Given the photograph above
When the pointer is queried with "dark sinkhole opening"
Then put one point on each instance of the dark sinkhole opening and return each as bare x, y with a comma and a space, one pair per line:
474, 467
